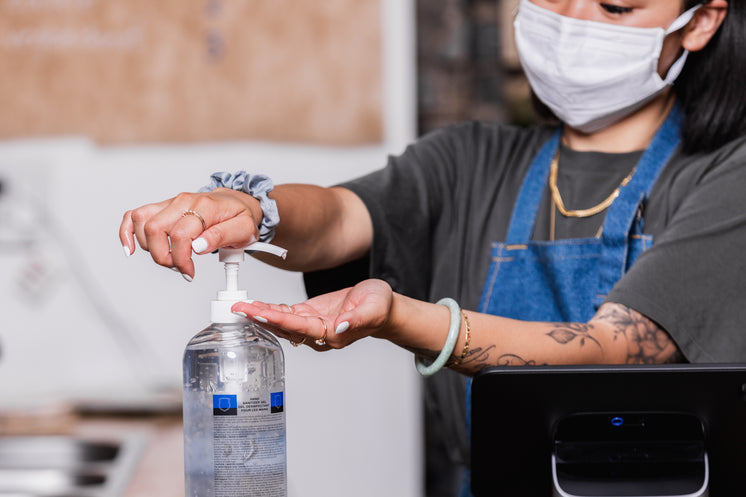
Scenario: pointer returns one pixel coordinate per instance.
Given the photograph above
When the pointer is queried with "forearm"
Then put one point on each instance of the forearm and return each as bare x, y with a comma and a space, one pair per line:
320, 227
616, 335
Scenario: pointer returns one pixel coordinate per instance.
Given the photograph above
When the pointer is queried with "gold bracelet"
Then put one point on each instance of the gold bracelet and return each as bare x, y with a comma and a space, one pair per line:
468, 339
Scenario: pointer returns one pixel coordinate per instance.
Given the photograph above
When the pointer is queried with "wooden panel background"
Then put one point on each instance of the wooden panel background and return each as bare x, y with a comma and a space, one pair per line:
134, 71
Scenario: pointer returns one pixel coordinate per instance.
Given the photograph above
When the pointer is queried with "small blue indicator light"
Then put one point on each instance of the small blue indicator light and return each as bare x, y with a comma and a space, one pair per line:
617, 421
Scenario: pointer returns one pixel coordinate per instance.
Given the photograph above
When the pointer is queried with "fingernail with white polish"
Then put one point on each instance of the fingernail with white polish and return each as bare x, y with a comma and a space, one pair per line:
199, 245
260, 319
242, 314
187, 277
175, 269
342, 327
126, 250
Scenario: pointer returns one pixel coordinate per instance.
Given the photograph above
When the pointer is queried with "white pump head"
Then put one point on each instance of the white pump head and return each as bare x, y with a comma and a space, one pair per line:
220, 309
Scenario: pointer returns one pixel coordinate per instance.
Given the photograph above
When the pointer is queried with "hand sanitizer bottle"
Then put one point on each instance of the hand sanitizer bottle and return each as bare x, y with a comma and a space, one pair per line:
234, 396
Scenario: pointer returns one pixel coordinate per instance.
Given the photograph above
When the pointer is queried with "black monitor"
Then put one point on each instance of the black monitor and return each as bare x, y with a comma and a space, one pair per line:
522, 416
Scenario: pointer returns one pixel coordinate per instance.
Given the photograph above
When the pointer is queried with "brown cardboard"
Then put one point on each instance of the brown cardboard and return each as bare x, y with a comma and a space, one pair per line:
134, 71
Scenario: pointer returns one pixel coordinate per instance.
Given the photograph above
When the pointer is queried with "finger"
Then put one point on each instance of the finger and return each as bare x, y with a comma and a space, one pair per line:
263, 310
335, 325
287, 336
181, 236
138, 217
295, 338
364, 315
283, 317
127, 234
139, 230
169, 231
155, 236
235, 232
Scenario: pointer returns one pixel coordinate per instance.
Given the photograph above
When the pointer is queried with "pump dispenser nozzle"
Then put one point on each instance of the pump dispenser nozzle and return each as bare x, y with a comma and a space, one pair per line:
220, 310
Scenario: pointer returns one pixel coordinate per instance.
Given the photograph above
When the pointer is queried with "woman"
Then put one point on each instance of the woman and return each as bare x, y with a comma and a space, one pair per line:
615, 237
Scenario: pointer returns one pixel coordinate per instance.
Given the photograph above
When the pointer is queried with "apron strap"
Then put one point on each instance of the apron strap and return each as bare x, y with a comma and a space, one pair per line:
618, 224
527, 205
619, 219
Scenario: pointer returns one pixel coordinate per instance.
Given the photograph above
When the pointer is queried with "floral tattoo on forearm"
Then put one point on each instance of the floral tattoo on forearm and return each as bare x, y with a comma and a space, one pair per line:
565, 333
647, 343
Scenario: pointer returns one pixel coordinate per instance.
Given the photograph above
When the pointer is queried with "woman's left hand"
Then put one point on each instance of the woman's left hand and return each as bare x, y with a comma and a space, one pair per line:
330, 321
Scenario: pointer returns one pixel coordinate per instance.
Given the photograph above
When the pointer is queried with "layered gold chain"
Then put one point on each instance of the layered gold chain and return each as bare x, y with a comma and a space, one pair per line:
557, 197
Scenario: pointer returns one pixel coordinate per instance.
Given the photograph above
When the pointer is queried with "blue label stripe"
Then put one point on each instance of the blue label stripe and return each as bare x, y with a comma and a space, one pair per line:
224, 401
224, 405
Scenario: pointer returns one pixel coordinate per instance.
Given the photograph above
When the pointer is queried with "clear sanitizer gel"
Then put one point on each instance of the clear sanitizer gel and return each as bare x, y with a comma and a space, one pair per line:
234, 396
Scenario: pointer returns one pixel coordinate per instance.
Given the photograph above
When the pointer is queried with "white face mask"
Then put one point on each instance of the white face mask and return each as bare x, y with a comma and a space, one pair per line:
591, 74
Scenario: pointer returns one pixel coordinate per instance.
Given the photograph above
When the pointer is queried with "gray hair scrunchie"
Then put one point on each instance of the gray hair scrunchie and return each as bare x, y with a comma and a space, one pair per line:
256, 185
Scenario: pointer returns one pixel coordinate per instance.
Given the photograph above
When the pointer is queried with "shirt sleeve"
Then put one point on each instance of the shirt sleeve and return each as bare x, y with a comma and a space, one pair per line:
438, 207
692, 281
404, 200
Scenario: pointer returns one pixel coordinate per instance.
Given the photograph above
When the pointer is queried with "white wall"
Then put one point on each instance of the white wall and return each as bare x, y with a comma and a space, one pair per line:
78, 320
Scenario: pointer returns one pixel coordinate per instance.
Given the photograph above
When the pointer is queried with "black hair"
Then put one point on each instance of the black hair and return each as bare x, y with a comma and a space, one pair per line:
712, 86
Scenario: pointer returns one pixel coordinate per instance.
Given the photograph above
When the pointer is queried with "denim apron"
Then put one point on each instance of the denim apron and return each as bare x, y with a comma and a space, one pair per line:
567, 280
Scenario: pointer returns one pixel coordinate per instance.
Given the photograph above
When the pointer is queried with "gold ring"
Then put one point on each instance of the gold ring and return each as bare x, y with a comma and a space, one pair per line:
290, 309
190, 212
322, 341
296, 344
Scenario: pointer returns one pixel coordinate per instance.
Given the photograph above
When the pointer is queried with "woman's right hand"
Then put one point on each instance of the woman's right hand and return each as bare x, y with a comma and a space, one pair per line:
170, 233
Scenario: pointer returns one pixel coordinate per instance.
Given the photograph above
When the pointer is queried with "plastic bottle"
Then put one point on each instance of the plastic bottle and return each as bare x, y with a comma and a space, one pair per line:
234, 392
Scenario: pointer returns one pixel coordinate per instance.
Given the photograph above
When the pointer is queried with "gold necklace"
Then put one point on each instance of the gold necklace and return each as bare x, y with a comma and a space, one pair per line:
557, 198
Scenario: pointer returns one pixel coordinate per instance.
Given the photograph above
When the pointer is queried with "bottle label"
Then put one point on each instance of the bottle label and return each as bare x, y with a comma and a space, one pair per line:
249, 444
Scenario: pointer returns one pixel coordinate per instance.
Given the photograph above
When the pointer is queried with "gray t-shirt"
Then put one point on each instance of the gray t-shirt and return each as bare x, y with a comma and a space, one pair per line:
437, 208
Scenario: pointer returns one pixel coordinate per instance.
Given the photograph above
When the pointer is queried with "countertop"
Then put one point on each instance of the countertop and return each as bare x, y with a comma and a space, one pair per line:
155, 439
160, 468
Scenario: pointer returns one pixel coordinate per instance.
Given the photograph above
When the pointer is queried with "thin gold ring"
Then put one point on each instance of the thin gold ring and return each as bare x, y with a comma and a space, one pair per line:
296, 344
190, 212
322, 341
